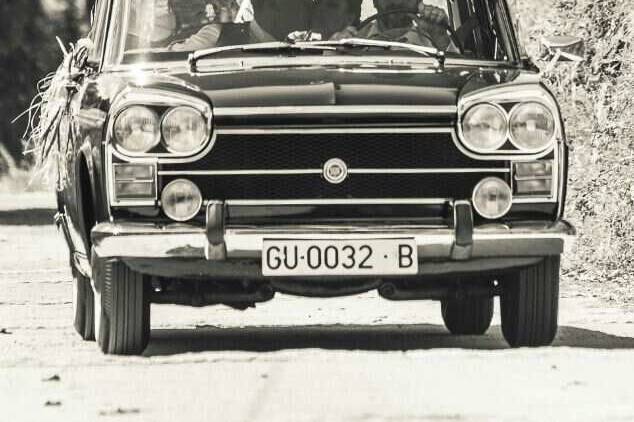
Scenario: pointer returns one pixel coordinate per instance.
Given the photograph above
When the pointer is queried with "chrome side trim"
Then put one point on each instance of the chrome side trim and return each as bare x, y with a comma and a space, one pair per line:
334, 109
82, 263
319, 171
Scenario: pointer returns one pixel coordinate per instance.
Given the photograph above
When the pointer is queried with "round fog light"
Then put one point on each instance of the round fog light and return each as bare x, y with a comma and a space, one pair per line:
181, 200
492, 198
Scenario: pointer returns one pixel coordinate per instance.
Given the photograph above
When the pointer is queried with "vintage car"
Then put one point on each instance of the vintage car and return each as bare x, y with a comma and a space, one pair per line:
223, 151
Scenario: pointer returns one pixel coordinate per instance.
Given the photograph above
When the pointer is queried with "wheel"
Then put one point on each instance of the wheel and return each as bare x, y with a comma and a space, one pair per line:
83, 306
122, 309
470, 316
529, 304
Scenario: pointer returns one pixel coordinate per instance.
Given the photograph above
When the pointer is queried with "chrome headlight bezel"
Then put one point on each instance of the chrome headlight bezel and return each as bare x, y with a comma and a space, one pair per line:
162, 102
508, 98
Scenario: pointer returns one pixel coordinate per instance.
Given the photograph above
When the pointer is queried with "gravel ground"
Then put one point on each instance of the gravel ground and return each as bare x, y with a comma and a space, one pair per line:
356, 359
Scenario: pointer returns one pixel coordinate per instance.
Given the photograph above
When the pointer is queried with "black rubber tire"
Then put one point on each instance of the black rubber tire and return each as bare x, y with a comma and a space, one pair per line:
529, 304
125, 309
469, 316
83, 305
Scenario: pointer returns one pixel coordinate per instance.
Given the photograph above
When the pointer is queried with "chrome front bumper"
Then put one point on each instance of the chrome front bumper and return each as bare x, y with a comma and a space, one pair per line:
134, 240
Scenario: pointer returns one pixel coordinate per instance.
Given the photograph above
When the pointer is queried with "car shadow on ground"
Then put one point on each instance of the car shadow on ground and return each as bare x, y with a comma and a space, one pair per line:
27, 217
355, 337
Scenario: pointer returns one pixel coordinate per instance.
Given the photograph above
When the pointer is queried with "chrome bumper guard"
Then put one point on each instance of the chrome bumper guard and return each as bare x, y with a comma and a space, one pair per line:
216, 242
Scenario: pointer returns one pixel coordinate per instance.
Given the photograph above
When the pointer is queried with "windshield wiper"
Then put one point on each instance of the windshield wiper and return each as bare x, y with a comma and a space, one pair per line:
316, 45
364, 42
275, 46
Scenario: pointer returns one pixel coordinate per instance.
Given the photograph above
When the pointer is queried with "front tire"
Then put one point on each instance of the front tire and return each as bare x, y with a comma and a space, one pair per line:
470, 316
529, 304
123, 309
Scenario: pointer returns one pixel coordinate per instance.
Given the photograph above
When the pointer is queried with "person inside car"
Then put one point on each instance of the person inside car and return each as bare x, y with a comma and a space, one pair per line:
333, 16
394, 23
271, 20
207, 20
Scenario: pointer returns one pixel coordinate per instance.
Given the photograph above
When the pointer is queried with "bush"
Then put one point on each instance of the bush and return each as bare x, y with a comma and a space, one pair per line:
28, 51
597, 102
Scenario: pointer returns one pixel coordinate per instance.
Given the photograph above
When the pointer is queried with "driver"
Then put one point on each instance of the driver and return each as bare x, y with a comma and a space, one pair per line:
429, 28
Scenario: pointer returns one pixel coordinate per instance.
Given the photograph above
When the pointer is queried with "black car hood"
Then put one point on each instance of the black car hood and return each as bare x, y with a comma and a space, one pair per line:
315, 86
310, 87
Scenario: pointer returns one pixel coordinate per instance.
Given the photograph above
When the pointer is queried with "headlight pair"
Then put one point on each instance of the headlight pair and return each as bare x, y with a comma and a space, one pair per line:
530, 127
183, 130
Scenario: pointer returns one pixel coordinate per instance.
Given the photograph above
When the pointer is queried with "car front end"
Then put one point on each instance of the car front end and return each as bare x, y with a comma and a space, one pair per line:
331, 168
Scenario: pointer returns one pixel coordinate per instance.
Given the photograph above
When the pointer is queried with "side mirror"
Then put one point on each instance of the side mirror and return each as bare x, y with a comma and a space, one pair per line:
81, 53
563, 49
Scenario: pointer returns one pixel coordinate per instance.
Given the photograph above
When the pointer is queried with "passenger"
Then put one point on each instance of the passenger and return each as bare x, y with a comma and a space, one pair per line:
274, 20
214, 14
333, 16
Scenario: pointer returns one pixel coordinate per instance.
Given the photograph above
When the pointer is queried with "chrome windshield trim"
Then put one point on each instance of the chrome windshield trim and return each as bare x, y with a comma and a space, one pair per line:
399, 63
264, 172
365, 42
195, 56
335, 109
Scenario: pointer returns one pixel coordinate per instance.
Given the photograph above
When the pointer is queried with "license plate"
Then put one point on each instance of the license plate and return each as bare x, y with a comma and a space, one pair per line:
339, 257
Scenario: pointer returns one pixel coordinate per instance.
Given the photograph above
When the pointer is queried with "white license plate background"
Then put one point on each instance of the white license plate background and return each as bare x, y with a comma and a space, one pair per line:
388, 257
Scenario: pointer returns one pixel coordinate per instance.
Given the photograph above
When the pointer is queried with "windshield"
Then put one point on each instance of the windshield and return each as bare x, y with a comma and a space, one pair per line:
159, 30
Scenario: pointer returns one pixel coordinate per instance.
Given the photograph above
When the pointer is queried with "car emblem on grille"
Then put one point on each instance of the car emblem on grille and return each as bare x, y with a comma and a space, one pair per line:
335, 171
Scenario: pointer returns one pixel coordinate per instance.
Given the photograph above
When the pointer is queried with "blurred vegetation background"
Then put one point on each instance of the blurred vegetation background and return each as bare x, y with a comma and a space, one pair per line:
29, 51
596, 98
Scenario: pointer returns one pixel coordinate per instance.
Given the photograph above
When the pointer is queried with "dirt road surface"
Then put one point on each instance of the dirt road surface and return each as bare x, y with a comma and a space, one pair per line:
355, 359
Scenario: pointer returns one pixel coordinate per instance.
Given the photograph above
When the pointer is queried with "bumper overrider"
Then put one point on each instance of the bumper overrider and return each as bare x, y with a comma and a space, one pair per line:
226, 250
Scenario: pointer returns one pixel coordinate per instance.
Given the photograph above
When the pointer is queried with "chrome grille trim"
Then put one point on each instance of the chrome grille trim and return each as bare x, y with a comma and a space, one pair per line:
319, 171
369, 201
335, 109
327, 130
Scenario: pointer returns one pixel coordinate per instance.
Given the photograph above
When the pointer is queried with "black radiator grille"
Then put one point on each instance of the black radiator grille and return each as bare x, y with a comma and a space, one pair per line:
311, 151
313, 186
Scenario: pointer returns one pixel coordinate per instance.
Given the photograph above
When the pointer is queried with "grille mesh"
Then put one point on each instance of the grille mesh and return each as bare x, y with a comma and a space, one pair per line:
311, 151
313, 186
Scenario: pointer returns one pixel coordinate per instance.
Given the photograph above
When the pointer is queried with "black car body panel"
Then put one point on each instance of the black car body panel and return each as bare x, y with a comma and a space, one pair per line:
385, 120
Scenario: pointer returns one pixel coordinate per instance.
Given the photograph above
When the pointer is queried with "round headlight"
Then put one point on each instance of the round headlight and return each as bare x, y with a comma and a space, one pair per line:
492, 198
136, 130
532, 127
484, 128
184, 130
181, 200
